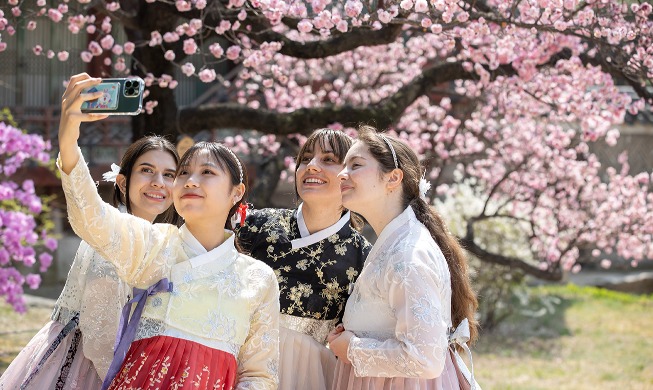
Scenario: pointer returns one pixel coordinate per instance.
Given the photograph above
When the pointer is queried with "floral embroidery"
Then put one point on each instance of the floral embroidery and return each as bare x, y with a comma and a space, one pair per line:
328, 267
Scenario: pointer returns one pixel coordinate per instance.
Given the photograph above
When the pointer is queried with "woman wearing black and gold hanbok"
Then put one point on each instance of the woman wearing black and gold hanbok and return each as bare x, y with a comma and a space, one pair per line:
316, 255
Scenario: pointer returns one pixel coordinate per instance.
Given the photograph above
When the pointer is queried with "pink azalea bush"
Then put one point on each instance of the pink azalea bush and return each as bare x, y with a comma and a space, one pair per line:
26, 241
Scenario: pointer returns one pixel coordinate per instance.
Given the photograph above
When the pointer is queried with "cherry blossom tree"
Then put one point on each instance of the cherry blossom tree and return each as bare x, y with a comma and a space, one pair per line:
24, 230
506, 96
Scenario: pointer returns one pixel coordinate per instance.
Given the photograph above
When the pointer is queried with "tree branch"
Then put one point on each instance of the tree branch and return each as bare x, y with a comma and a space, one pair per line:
512, 262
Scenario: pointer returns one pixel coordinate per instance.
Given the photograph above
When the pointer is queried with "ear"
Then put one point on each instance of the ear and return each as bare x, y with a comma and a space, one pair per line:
237, 193
121, 181
394, 178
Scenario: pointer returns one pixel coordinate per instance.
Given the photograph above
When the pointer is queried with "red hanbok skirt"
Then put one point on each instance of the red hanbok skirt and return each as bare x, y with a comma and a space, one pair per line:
164, 362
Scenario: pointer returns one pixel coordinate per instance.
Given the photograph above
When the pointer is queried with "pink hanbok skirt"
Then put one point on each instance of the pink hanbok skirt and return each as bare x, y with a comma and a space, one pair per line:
164, 362
345, 379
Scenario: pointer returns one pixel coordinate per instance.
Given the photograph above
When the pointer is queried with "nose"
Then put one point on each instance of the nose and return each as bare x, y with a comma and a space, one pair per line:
313, 164
158, 180
344, 174
191, 182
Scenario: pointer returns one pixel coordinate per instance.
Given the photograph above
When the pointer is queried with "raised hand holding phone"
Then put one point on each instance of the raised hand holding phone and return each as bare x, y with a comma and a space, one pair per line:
123, 96
72, 116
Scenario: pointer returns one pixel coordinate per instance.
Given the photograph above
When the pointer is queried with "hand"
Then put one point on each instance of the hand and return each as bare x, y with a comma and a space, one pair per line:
72, 117
335, 332
340, 345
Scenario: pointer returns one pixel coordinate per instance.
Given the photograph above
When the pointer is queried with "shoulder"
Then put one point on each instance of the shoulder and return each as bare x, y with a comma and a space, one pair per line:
254, 268
259, 217
417, 250
360, 240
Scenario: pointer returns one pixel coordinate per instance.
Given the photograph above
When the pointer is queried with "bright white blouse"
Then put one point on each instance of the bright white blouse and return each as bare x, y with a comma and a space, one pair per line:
221, 299
400, 309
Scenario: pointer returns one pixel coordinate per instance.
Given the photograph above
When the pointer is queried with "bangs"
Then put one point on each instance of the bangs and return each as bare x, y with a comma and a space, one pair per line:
334, 141
212, 150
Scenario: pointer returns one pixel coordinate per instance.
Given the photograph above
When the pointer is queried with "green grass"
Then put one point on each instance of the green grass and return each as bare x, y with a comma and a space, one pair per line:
17, 330
594, 339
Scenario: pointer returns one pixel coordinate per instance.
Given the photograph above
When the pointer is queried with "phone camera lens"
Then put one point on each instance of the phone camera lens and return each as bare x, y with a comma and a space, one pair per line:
128, 83
130, 91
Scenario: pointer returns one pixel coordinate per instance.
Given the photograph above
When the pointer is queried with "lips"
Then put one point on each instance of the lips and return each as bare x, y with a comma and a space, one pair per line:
344, 187
155, 196
190, 196
313, 180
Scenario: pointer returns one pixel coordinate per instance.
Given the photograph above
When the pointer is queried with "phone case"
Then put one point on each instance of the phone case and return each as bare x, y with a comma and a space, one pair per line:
122, 96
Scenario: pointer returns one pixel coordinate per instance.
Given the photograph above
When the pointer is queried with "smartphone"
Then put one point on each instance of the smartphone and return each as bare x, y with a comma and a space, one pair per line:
122, 96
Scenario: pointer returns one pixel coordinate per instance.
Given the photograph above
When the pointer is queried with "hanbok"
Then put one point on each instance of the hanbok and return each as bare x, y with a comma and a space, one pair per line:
315, 273
400, 314
214, 325
75, 348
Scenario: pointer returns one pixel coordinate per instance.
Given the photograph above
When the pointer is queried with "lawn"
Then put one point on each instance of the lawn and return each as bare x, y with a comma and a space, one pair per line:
594, 339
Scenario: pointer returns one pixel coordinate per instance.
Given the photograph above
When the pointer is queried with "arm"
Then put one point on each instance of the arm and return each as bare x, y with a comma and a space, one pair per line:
123, 239
258, 360
419, 346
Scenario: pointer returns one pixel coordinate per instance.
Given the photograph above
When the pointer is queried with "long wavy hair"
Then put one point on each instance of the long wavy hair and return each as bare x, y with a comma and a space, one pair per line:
463, 298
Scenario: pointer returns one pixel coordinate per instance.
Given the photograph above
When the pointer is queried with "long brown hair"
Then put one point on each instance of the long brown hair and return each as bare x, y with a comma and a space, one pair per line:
463, 298
133, 152
336, 141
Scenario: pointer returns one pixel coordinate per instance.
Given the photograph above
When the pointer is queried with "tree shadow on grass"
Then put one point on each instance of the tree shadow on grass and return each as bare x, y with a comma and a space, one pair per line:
532, 330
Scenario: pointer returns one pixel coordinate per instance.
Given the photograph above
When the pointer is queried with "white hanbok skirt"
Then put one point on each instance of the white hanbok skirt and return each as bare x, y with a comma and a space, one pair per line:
66, 368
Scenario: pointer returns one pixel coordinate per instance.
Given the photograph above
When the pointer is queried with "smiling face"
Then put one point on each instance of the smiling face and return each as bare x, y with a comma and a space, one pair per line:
204, 191
150, 184
316, 176
361, 181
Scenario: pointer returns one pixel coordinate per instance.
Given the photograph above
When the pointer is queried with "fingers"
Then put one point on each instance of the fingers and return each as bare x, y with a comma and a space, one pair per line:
95, 117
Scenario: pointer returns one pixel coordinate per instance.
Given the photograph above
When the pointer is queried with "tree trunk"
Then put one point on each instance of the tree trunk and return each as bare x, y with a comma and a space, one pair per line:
163, 120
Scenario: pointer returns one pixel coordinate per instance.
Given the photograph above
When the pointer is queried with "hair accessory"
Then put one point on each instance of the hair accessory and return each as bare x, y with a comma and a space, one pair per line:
424, 186
240, 167
112, 174
394, 155
242, 211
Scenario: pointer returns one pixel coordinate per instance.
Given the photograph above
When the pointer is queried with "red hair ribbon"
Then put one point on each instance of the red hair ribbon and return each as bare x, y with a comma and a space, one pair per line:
242, 210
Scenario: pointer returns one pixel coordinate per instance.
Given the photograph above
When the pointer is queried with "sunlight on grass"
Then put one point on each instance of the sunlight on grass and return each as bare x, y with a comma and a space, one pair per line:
17, 330
596, 339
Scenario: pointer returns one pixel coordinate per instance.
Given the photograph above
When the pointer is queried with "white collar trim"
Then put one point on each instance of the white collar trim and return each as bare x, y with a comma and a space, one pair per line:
226, 249
309, 239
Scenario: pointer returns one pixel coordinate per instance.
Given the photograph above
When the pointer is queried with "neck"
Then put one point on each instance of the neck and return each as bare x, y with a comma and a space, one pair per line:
206, 234
384, 212
320, 218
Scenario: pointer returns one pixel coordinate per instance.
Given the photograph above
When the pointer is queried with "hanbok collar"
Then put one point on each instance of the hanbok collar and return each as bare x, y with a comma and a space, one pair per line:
307, 238
407, 215
200, 256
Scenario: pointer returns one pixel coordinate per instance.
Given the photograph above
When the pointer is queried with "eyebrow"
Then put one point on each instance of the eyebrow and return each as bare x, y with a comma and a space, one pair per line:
153, 166
355, 157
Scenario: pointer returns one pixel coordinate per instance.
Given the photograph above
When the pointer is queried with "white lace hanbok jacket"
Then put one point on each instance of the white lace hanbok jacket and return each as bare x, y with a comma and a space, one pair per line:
400, 309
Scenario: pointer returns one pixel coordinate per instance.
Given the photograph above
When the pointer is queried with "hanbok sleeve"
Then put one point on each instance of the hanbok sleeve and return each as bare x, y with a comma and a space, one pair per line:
418, 348
132, 244
99, 318
258, 360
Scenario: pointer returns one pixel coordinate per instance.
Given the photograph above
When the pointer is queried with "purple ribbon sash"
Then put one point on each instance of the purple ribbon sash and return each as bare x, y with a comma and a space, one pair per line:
128, 326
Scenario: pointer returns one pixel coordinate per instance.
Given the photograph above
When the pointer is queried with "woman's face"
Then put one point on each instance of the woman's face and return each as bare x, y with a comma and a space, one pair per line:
150, 184
361, 181
203, 191
316, 177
